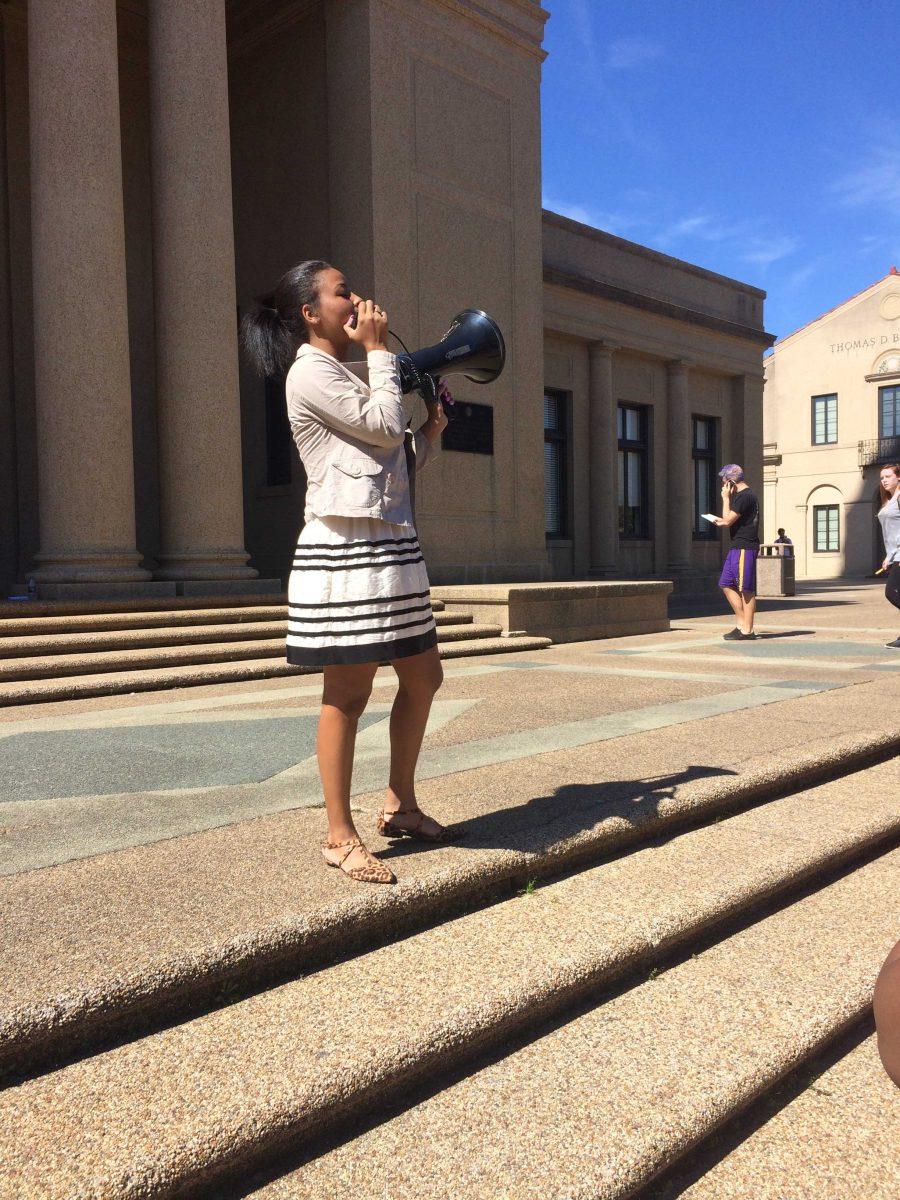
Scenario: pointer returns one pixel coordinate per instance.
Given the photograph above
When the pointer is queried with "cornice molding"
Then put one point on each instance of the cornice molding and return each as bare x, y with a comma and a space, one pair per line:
515, 34
662, 308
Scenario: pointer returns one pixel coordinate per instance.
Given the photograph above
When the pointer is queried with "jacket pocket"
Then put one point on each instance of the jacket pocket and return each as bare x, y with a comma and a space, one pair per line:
357, 483
358, 465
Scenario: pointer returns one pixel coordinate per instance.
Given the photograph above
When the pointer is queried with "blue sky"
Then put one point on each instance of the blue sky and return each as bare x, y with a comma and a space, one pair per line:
760, 139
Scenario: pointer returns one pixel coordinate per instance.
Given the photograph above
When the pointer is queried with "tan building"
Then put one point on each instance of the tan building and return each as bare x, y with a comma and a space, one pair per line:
832, 418
163, 162
658, 365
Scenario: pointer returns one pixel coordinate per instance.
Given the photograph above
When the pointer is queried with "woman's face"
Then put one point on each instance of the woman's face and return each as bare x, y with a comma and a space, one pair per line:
333, 309
890, 480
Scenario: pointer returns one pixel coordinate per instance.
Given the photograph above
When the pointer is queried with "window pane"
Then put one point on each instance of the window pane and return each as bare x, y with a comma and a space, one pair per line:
551, 412
889, 421
826, 528
621, 496
620, 426
632, 425
701, 435
634, 479
552, 488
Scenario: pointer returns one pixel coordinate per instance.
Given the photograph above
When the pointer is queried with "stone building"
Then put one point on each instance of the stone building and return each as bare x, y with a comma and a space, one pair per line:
163, 162
832, 419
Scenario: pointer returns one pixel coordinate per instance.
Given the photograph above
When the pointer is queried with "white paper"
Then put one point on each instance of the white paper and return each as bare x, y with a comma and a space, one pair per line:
709, 517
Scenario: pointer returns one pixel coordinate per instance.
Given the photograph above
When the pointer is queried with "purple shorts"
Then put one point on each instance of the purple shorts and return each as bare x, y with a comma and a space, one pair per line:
739, 570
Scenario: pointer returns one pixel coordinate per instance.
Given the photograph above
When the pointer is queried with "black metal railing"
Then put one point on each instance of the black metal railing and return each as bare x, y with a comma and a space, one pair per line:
877, 451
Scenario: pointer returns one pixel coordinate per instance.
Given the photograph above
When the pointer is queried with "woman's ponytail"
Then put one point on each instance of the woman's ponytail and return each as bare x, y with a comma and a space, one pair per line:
272, 332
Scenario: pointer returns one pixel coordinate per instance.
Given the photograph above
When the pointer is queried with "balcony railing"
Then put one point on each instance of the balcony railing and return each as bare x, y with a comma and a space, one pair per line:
878, 451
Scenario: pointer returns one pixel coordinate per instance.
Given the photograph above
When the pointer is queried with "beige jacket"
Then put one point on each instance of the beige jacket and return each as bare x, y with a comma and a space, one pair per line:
351, 434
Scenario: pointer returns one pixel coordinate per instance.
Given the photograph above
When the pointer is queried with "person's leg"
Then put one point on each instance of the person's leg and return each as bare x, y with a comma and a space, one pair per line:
892, 587
419, 676
344, 697
749, 605
733, 596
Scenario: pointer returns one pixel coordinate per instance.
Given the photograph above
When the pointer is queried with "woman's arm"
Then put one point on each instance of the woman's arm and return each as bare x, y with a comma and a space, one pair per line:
427, 436
378, 418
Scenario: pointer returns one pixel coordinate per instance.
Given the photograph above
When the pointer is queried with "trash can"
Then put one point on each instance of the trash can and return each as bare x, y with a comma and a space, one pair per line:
775, 571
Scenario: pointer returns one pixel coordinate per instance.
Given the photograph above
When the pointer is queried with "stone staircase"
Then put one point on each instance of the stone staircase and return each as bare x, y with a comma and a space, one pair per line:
64, 652
578, 1019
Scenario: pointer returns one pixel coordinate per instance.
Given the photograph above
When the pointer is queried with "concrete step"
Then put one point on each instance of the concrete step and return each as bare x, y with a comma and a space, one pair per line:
194, 651
80, 623
190, 673
36, 619
601, 1105
177, 1111
834, 1140
163, 930
184, 634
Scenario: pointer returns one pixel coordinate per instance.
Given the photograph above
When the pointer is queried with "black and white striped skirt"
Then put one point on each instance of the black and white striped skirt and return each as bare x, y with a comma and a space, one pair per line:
358, 593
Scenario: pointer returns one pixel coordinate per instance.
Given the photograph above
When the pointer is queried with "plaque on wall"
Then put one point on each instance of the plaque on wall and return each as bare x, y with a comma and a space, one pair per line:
471, 428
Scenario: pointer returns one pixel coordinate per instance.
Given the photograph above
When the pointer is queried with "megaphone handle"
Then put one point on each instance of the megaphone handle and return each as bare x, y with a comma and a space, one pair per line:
428, 388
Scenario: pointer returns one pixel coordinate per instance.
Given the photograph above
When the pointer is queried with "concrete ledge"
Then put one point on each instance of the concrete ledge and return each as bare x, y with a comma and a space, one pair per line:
566, 612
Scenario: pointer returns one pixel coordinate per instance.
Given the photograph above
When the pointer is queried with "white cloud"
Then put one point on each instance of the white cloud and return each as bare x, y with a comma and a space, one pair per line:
581, 15
622, 224
762, 252
874, 183
626, 53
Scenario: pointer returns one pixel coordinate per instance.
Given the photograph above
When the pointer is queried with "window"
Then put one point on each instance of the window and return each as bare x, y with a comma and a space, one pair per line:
824, 420
556, 459
704, 455
826, 528
634, 516
278, 434
889, 412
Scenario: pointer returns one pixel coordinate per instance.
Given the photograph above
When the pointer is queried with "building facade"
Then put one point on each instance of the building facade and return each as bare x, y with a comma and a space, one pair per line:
832, 419
162, 163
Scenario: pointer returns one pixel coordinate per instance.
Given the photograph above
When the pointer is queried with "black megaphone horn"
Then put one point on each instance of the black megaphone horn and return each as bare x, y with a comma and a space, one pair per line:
472, 346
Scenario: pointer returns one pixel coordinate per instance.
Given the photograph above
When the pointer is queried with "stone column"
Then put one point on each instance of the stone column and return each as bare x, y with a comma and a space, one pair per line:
603, 478
201, 485
82, 377
747, 391
679, 484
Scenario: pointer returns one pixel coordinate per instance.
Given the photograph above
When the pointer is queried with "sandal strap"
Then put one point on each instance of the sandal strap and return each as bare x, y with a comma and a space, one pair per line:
350, 846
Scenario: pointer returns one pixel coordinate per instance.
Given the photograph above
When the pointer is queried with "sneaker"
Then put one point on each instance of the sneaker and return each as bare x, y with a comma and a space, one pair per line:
734, 636
748, 637
895, 644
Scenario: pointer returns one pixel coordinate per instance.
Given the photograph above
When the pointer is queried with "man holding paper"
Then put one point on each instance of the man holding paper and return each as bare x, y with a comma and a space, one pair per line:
740, 513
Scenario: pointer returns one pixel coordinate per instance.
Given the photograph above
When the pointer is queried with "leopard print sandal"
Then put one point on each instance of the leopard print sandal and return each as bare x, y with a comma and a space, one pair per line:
372, 872
388, 828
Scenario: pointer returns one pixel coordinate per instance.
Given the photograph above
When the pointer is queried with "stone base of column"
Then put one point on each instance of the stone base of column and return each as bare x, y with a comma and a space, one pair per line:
205, 564
694, 581
104, 567
148, 589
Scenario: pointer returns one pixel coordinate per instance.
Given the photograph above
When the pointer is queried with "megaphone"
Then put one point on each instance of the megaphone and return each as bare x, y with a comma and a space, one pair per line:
472, 346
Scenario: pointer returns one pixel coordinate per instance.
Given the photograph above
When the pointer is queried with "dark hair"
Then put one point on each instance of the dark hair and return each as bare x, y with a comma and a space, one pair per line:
271, 333
883, 494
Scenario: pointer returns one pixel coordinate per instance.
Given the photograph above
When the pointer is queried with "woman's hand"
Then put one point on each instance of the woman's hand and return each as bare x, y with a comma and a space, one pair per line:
726, 491
437, 418
371, 326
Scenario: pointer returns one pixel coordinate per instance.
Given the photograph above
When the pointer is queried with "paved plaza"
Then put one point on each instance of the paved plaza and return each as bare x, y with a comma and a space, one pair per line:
179, 969
628, 718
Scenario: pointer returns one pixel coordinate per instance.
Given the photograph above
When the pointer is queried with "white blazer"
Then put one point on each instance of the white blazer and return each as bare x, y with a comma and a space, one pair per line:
352, 437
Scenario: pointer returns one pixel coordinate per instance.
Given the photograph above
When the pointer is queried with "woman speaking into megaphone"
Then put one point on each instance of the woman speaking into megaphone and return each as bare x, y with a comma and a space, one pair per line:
358, 594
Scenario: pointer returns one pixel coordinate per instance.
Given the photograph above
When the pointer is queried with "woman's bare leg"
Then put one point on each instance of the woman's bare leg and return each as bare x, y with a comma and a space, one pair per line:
420, 676
344, 697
